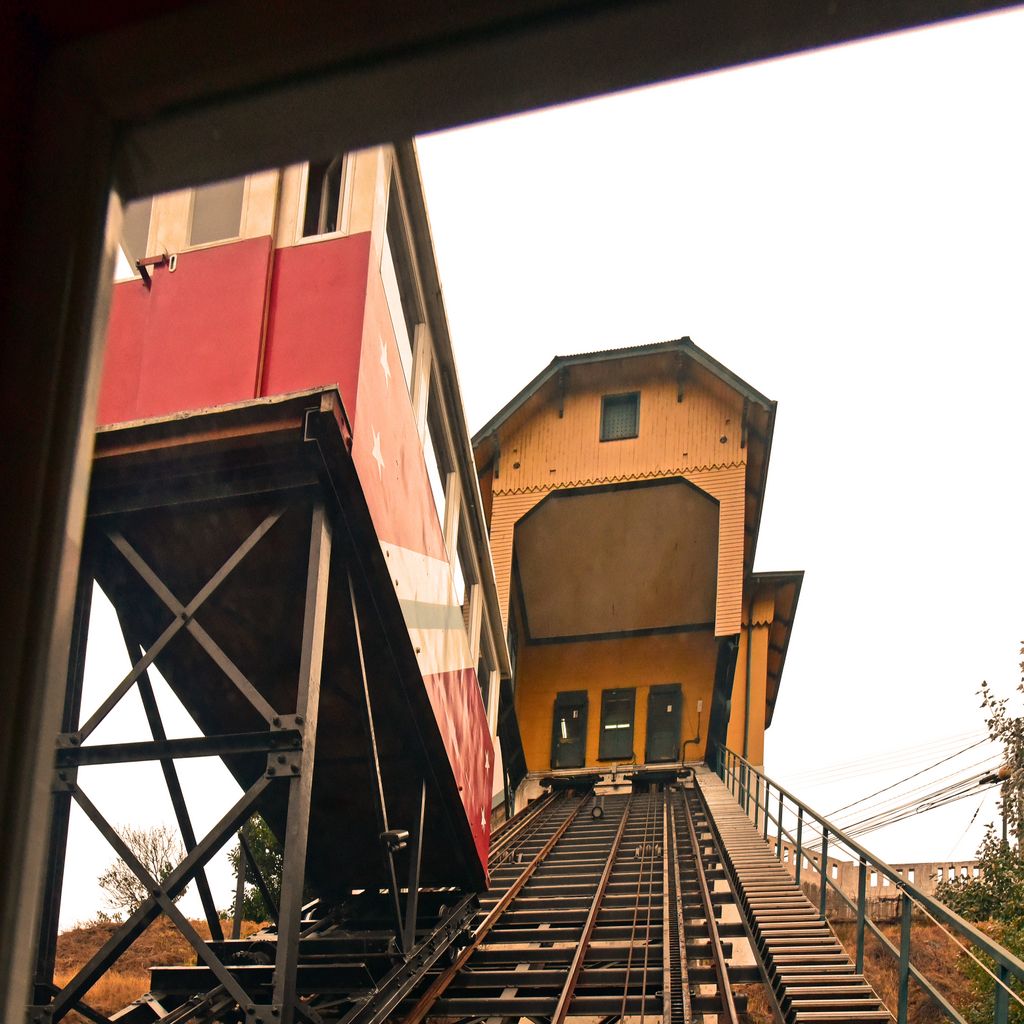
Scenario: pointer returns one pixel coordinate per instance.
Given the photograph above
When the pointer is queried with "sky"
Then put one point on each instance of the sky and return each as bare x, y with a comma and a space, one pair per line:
843, 230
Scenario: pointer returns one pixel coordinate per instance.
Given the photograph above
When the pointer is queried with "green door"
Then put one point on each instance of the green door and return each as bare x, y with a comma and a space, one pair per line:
617, 724
664, 719
569, 730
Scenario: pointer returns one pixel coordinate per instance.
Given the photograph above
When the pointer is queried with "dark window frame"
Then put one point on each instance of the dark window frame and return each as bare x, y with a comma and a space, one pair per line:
618, 735
620, 398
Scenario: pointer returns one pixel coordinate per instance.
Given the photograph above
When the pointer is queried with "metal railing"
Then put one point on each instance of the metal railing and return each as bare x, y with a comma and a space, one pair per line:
756, 793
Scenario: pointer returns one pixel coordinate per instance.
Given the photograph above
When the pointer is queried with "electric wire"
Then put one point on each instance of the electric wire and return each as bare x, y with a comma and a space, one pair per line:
878, 762
921, 771
984, 766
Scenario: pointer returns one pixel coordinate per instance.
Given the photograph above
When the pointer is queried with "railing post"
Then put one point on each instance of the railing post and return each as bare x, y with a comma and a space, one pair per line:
904, 998
862, 891
823, 873
778, 850
757, 796
1002, 1015
744, 802
767, 797
799, 842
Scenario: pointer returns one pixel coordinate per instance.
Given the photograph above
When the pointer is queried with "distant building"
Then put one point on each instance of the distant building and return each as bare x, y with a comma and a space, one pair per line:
623, 491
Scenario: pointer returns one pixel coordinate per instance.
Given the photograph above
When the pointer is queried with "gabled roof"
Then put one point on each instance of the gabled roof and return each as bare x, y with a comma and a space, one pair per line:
760, 427
683, 345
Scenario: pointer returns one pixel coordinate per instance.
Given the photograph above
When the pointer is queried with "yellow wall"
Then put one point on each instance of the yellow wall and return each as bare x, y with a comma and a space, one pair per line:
761, 619
541, 451
546, 669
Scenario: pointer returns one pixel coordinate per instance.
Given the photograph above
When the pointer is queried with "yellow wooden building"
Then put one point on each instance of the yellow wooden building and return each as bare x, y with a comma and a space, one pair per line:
623, 492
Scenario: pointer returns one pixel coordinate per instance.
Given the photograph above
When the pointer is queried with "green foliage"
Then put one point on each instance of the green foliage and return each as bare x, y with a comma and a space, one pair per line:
268, 855
980, 1009
998, 893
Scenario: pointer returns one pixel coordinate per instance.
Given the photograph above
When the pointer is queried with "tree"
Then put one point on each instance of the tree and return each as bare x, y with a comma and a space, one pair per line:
159, 851
266, 851
1009, 731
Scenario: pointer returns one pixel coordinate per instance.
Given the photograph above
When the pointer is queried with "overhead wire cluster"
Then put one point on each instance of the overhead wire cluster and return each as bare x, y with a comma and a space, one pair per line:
898, 803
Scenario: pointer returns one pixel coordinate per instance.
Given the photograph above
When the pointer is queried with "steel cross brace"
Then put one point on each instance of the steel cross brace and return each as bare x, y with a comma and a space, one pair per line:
138, 921
184, 618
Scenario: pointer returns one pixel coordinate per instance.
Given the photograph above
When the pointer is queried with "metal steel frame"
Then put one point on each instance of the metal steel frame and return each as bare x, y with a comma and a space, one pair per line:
289, 737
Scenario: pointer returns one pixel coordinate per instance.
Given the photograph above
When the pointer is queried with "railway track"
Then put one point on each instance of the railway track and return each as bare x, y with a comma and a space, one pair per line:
604, 907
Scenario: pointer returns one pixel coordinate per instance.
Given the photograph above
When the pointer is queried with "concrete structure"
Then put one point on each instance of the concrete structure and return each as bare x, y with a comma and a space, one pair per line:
623, 492
883, 897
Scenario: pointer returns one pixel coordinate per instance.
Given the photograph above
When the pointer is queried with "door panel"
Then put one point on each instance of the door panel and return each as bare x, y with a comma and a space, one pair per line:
664, 719
569, 730
617, 707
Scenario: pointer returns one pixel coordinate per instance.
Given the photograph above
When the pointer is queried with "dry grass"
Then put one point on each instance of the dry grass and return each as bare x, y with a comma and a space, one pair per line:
759, 1009
932, 952
161, 944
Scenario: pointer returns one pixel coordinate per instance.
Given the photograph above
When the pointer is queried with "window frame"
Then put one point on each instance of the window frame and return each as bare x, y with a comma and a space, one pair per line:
188, 244
605, 399
345, 191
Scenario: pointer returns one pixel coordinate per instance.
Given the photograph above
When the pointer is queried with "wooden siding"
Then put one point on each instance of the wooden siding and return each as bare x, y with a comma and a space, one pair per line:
641, 662
541, 452
758, 694
506, 511
726, 485
540, 449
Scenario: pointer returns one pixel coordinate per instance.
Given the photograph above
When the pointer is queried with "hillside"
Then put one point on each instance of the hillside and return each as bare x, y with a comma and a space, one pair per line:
160, 944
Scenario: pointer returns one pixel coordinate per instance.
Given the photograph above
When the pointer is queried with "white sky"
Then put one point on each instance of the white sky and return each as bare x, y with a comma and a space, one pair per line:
843, 230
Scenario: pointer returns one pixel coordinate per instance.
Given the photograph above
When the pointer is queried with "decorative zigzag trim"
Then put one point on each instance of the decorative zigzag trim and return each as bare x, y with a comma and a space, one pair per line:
623, 478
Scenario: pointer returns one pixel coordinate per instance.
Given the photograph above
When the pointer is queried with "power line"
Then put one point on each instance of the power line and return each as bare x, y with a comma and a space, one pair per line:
922, 771
877, 763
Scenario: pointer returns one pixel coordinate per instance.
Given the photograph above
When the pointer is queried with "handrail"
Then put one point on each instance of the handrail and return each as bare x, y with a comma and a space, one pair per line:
736, 773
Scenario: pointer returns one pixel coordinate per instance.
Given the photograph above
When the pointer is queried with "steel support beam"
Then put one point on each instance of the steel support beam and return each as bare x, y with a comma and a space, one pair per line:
307, 708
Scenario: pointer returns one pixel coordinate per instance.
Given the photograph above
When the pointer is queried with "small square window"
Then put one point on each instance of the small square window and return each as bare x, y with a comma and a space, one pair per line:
620, 416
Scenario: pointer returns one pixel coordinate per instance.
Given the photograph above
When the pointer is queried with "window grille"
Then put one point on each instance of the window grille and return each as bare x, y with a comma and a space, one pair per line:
620, 416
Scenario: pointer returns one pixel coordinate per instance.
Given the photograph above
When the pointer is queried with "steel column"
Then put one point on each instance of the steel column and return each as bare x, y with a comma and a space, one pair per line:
904, 992
823, 874
415, 860
307, 707
862, 888
799, 841
53, 881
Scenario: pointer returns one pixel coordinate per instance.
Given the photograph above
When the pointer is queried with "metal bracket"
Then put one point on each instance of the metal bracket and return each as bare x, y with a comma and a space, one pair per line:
142, 266
285, 763
263, 1014
64, 780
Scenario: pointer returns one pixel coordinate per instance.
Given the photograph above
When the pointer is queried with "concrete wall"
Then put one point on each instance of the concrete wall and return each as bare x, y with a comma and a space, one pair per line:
882, 895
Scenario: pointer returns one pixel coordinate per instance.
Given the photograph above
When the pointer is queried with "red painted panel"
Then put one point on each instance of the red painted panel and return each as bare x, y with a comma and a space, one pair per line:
459, 710
397, 488
316, 317
122, 355
201, 334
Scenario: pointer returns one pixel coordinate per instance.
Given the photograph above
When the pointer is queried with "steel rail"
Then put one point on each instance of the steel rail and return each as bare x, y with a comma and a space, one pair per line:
524, 831
636, 904
443, 980
565, 997
677, 911
717, 954
650, 911
511, 828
